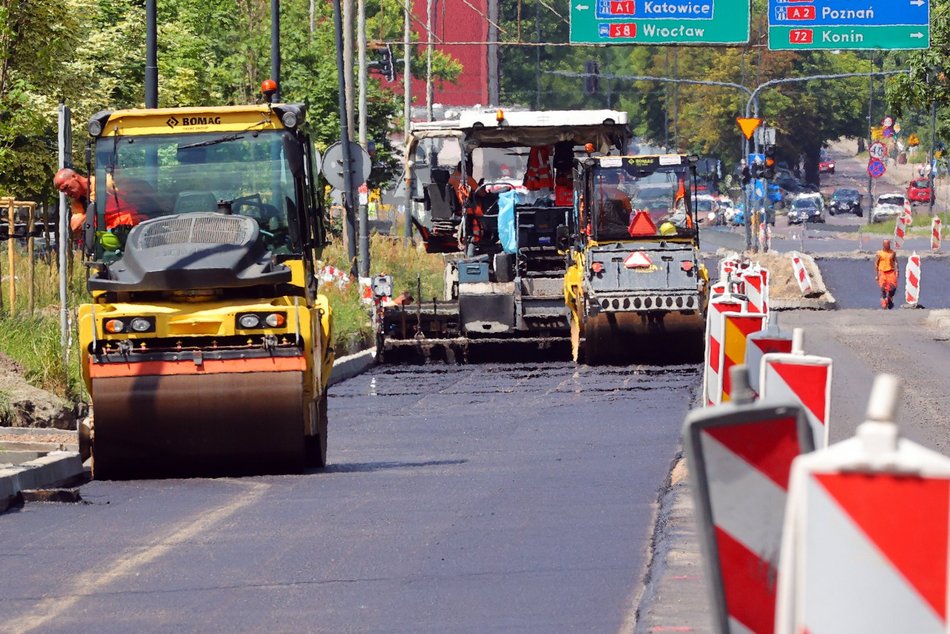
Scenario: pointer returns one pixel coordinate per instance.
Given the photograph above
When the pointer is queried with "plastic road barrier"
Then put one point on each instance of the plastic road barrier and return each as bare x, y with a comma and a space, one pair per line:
715, 323
756, 280
803, 378
912, 280
801, 273
865, 544
900, 227
739, 456
736, 330
935, 230
770, 340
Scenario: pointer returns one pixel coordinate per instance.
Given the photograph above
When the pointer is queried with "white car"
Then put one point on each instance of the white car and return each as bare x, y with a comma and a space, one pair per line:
888, 206
707, 210
727, 209
817, 197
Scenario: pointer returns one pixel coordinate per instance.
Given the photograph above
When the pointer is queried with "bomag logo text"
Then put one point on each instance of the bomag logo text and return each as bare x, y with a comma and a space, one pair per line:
201, 120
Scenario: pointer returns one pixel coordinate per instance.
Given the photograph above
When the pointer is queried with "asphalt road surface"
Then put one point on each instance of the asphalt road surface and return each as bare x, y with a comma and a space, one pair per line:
459, 499
853, 284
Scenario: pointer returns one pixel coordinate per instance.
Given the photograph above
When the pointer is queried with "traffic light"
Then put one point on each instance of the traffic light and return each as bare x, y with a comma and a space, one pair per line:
769, 171
591, 77
386, 63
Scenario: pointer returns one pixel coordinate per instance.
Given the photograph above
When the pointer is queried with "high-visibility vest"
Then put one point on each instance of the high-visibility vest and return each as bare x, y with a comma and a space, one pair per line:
539, 175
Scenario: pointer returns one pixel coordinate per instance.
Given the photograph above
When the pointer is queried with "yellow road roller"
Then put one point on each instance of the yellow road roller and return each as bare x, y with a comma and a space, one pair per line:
636, 288
205, 344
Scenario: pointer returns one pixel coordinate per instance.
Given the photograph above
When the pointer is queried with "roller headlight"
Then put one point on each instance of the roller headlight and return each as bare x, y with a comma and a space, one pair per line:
289, 119
95, 127
141, 324
249, 320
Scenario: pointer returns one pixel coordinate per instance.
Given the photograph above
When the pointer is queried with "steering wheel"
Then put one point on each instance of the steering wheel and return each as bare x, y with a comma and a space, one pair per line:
252, 201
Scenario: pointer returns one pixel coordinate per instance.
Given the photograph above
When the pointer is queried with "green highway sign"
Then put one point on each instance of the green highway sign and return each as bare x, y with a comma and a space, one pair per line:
784, 38
660, 22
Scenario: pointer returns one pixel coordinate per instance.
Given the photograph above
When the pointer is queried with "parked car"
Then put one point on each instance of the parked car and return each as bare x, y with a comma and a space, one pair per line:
707, 210
919, 191
826, 166
727, 210
888, 206
805, 209
845, 201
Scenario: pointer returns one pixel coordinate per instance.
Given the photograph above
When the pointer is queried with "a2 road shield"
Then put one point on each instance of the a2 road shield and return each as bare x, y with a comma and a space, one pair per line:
758, 344
739, 457
737, 327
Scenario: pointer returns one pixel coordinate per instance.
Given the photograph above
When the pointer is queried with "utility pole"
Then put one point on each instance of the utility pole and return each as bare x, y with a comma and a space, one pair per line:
151, 55
933, 142
870, 135
363, 77
493, 89
429, 50
407, 114
344, 137
275, 46
537, 55
348, 63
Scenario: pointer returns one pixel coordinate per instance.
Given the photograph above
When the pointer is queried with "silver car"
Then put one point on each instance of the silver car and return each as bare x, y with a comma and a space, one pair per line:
888, 206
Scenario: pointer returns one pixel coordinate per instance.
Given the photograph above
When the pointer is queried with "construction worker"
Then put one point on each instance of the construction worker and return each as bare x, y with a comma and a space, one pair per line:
76, 188
886, 271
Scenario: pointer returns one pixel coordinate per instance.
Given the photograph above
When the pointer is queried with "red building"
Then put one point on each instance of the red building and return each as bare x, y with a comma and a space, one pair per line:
452, 21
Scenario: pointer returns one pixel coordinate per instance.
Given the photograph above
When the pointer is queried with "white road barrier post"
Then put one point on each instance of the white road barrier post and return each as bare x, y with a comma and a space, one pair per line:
739, 456
715, 324
801, 273
912, 281
865, 542
802, 378
772, 339
935, 233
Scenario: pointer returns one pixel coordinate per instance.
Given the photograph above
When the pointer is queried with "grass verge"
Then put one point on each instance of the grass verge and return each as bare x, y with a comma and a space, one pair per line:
919, 226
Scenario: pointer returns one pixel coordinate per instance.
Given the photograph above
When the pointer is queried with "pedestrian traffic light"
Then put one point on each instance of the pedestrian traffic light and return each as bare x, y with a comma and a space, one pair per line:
769, 171
591, 77
386, 63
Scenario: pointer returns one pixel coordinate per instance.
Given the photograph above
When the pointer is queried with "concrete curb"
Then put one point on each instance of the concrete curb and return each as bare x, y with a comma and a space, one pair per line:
55, 466
351, 365
940, 319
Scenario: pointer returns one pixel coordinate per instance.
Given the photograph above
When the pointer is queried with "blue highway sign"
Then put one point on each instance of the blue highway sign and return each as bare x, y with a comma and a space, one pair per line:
849, 24
848, 13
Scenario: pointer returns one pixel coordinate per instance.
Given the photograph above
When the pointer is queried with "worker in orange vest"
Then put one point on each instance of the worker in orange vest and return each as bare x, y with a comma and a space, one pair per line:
886, 271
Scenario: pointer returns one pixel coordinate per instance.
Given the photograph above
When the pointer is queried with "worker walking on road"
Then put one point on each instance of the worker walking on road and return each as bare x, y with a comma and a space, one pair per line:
886, 272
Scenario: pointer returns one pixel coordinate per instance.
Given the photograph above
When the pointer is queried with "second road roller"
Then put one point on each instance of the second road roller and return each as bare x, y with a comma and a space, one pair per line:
636, 287
205, 346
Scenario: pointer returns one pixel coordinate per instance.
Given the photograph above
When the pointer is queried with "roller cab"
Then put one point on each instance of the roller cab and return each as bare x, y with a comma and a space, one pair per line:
205, 344
636, 288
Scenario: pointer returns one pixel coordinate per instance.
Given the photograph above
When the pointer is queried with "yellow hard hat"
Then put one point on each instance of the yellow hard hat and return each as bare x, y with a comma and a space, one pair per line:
667, 229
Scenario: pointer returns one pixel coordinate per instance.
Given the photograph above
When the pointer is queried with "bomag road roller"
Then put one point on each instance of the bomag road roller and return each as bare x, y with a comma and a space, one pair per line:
494, 190
205, 343
636, 288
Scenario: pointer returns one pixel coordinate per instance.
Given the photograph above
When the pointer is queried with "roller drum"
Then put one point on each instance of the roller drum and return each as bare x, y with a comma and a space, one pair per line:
198, 425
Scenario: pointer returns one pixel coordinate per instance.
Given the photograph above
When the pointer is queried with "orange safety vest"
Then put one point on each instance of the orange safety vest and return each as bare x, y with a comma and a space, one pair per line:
886, 261
538, 175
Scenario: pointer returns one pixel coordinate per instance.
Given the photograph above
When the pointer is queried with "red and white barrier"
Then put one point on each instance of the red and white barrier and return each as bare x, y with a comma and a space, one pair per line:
867, 527
739, 457
912, 280
801, 273
758, 344
736, 330
803, 378
332, 275
715, 324
904, 220
935, 234
756, 281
